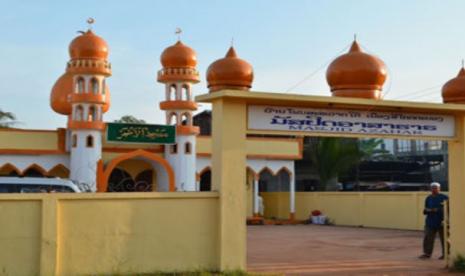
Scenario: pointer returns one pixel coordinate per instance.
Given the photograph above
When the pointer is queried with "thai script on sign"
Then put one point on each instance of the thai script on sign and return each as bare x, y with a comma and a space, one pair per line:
349, 121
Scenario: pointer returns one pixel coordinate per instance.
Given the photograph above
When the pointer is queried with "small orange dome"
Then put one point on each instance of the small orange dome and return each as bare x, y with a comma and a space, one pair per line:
356, 74
230, 72
88, 46
453, 91
178, 55
59, 98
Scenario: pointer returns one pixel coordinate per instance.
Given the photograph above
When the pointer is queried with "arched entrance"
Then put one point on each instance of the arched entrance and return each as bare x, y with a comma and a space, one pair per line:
164, 172
205, 180
132, 175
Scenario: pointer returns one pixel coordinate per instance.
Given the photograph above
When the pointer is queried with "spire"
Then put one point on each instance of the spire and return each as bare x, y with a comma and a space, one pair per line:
355, 47
231, 53
461, 73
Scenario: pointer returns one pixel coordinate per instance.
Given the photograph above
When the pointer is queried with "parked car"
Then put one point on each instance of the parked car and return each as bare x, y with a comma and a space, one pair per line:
37, 185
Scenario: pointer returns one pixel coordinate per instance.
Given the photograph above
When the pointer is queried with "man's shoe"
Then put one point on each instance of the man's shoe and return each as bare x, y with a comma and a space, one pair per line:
425, 256
441, 258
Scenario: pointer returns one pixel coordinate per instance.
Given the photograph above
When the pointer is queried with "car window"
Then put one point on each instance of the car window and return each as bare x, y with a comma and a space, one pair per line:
7, 188
34, 188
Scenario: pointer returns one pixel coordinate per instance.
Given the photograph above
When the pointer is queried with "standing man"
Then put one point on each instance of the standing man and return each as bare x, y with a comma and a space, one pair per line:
434, 211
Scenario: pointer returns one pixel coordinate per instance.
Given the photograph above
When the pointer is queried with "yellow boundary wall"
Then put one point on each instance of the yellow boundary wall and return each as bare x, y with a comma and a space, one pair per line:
396, 210
124, 233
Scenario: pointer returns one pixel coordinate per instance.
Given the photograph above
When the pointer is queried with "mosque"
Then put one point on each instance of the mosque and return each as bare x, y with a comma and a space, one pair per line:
89, 152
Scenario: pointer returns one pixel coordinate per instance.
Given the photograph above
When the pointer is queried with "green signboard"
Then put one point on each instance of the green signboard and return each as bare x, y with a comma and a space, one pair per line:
140, 133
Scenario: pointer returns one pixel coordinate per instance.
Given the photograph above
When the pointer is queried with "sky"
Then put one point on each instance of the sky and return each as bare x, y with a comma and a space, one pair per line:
288, 43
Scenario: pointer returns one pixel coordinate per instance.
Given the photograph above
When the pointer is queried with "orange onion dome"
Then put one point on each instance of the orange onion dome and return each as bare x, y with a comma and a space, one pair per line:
230, 72
88, 46
453, 91
61, 92
356, 74
178, 55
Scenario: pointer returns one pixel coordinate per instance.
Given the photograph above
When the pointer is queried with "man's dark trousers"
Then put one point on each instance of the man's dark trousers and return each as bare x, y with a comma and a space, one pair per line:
430, 236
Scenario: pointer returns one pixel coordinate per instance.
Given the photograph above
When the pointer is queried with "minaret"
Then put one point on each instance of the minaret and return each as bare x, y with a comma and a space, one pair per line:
89, 99
179, 74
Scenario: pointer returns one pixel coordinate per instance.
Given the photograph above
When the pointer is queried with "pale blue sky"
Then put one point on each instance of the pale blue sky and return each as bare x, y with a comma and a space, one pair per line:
422, 43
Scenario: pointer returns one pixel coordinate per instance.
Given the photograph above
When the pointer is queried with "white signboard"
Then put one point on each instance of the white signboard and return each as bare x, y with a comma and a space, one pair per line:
349, 121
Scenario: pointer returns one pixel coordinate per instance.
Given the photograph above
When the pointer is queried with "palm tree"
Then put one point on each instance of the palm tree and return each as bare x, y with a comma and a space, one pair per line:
370, 149
335, 156
332, 157
7, 119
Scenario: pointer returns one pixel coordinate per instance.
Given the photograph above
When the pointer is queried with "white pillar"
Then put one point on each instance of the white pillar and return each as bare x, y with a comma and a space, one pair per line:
255, 196
292, 197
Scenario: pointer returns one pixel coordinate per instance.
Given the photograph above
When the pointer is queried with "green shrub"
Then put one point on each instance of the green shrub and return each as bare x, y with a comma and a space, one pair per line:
459, 264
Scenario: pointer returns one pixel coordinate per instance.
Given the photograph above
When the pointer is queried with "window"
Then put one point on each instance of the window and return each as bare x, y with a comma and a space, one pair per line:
174, 149
173, 93
90, 141
186, 119
185, 93
188, 148
92, 114
94, 86
79, 113
404, 146
172, 119
80, 85
74, 140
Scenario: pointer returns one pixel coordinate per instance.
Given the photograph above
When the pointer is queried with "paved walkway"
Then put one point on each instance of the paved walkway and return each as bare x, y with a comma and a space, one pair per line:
330, 250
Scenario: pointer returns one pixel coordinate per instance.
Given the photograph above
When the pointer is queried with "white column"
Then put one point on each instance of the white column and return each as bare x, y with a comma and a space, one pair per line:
255, 196
292, 197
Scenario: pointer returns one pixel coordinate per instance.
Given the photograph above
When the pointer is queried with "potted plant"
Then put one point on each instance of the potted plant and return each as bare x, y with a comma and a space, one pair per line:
317, 217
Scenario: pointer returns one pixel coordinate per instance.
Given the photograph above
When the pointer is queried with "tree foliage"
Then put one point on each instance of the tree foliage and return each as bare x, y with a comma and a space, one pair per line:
7, 119
335, 156
129, 119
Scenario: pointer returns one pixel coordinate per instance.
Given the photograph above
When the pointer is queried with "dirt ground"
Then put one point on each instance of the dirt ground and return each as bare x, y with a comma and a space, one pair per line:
331, 250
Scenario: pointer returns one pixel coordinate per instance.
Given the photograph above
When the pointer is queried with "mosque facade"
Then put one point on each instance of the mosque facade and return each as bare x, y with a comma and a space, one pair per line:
82, 151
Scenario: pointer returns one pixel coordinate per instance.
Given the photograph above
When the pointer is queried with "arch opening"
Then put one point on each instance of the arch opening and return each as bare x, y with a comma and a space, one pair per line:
59, 171
94, 86
141, 166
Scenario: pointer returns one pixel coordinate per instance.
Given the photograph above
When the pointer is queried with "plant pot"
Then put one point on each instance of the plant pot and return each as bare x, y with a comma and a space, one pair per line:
318, 219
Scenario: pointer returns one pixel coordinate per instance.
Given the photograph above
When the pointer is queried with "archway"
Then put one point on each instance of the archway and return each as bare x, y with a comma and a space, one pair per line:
158, 162
132, 175
205, 180
59, 171
34, 170
9, 170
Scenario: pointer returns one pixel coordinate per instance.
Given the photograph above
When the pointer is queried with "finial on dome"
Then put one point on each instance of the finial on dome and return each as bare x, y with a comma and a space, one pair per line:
232, 41
231, 53
355, 36
178, 32
355, 47
90, 21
